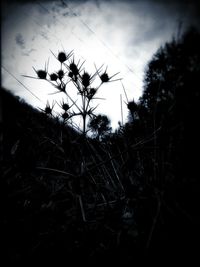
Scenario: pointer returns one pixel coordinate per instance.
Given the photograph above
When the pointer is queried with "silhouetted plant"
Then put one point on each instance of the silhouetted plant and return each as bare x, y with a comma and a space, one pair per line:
133, 108
48, 109
73, 72
100, 125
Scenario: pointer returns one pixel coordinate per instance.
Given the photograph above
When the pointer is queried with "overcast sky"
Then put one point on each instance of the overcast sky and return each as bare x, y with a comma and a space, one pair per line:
121, 34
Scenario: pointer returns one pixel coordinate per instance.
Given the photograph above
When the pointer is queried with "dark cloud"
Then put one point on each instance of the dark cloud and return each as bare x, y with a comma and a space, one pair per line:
20, 40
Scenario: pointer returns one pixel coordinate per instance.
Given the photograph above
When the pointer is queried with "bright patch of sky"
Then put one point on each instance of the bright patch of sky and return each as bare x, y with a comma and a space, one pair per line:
122, 35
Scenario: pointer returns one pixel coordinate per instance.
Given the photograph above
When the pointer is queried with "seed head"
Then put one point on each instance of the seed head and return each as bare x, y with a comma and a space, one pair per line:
60, 74
65, 106
104, 77
48, 110
42, 74
53, 77
62, 57
65, 115
132, 106
74, 69
85, 79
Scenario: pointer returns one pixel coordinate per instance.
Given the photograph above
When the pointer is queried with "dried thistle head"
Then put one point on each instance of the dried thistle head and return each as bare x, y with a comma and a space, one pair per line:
132, 106
42, 74
104, 77
48, 109
74, 69
62, 57
65, 116
53, 77
60, 74
65, 106
85, 79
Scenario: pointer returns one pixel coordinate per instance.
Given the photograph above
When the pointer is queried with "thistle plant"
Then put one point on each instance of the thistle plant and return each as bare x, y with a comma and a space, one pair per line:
73, 72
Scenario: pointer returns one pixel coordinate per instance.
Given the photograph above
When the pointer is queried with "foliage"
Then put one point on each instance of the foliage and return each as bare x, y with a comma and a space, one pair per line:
171, 97
100, 125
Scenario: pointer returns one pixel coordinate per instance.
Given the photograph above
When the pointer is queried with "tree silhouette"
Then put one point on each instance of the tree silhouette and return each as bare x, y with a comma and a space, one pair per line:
100, 125
171, 104
172, 76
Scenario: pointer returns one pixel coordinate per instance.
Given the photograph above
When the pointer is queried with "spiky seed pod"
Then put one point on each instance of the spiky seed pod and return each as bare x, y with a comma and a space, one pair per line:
62, 57
48, 110
74, 69
85, 79
42, 74
53, 77
65, 106
60, 74
65, 115
104, 77
132, 106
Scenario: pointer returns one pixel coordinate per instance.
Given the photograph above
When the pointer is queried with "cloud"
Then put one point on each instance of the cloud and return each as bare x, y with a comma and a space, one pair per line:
123, 33
20, 40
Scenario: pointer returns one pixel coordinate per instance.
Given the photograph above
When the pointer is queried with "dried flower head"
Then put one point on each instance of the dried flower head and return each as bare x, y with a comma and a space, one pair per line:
60, 74
53, 77
132, 106
48, 109
62, 57
65, 115
85, 79
65, 106
74, 69
104, 77
42, 74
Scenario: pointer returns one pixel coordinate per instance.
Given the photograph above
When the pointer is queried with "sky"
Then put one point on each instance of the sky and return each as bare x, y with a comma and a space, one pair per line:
122, 35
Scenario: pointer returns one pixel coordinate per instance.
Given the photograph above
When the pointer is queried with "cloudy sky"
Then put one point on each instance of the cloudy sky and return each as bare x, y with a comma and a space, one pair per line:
122, 35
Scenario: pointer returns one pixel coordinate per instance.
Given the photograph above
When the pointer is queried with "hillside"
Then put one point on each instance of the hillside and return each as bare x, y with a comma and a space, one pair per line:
50, 204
